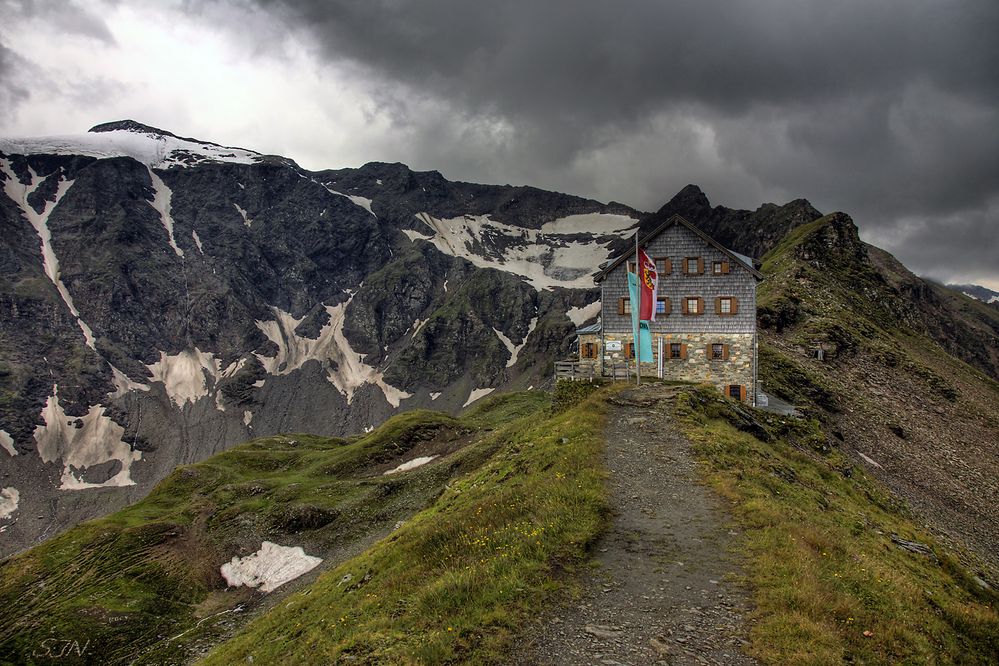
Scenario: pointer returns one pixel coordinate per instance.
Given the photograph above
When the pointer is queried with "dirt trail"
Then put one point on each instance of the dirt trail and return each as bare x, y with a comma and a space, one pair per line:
660, 590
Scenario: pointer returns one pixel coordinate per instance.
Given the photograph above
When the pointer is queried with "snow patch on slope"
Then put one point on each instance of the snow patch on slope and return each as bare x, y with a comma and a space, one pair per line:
410, 464
348, 372
89, 440
7, 443
512, 348
242, 213
363, 202
579, 315
184, 377
156, 151
197, 241
554, 256
9, 498
269, 568
476, 394
123, 384
18, 192
161, 202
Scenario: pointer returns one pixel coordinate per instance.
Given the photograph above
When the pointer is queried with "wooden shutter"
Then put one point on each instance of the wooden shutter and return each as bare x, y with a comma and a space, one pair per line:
725, 268
620, 305
700, 265
683, 351
742, 393
724, 352
667, 267
683, 304
718, 300
735, 304
700, 304
707, 352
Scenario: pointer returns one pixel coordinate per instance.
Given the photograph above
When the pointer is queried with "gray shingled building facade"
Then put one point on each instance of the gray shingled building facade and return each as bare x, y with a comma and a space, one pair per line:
706, 315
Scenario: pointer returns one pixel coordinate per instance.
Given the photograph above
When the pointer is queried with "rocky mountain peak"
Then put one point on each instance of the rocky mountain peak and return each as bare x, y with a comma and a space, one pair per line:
690, 198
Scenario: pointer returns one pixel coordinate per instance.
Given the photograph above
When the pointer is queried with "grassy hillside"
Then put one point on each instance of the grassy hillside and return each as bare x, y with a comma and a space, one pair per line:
473, 539
925, 420
831, 583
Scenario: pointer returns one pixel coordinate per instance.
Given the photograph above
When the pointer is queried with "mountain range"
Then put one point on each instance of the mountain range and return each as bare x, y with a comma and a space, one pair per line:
165, 298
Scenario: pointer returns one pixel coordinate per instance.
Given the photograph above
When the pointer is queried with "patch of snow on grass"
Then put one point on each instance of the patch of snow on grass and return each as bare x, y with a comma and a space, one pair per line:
242, 213
348, 372
411, 464
18, 193
545, 260
9, 498
417, 325
7, 443
155, 151
580, 315
476, 394
512, 348
435, 395
97, 441
269, 568
183, 374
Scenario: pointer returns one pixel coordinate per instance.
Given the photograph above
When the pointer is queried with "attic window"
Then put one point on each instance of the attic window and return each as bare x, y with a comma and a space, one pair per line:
719, 268
663, 265
693, 265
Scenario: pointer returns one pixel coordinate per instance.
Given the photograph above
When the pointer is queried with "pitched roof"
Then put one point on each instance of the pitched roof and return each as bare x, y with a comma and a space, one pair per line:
742, 260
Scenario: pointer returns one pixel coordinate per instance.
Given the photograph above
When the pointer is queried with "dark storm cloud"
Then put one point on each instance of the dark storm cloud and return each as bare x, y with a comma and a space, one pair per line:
12, 89
69, 17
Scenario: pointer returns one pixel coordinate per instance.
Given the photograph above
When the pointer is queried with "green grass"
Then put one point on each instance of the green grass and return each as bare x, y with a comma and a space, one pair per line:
819, 554
143, 585
455, 583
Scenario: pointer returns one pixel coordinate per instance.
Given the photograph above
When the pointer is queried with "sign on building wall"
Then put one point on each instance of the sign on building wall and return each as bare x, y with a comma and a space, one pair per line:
613, 345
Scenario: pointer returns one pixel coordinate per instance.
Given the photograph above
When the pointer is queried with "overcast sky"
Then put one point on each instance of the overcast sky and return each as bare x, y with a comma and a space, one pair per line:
886, 110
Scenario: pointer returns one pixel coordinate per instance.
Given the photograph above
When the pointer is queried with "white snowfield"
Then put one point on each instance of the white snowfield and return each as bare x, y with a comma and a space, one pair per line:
553, 256
153, 150
99, 440
7, 443
476, 394
184, 377
19, 192
161, 202
358, 200
270, 567
9, 498
579, 315
348, 372
411, 464
512, 348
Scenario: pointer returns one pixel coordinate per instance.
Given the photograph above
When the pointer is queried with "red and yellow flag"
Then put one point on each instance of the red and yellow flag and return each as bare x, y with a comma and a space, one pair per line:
648, 282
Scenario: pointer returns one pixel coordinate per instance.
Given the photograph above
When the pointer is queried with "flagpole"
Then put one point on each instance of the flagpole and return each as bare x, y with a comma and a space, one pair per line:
638, 328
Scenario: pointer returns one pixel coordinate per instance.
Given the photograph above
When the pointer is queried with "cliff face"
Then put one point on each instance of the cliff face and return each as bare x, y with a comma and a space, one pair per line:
164, 298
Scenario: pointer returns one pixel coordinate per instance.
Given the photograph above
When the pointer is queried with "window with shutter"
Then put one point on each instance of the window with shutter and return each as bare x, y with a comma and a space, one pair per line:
629, 350
693, 265
716, 351
675, 351
662, 305
725, 305
735, 391
624, 306
691, 305
663, 265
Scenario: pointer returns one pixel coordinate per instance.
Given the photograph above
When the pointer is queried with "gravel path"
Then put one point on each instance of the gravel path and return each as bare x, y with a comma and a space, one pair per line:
660, 590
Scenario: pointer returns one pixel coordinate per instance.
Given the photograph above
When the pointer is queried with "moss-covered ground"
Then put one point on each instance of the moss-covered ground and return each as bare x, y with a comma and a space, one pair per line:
829, 582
